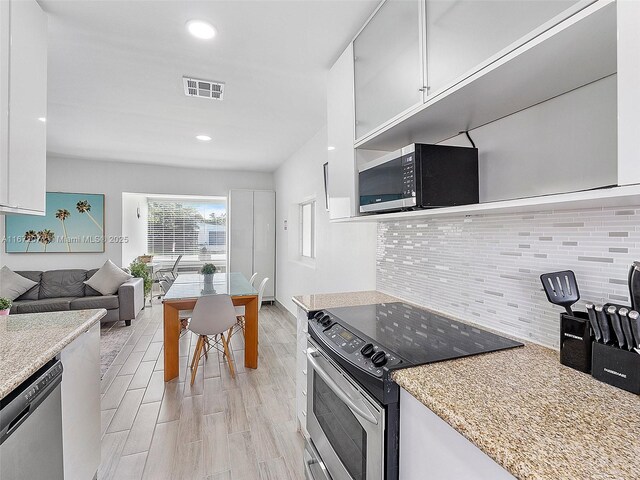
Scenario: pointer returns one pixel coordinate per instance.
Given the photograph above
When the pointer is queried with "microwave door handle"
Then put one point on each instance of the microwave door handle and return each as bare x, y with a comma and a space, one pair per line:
311, 354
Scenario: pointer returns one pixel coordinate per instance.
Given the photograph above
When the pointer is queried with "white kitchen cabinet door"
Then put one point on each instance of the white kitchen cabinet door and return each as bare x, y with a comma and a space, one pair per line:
23, 97
388, 64
341, 183
81, 405
252, 236
264, 239
5, 39
301, 371
462, 34
431, 449
241, 232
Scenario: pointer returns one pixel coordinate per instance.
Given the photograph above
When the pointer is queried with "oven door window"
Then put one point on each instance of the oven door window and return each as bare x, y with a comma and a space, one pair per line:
343, 430
383, 183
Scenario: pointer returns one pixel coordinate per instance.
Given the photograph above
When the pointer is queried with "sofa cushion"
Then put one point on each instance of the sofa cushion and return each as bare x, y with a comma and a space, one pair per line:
88, 291
45, 305
62, 283
13, 285
100, 301
108, 279
34, 276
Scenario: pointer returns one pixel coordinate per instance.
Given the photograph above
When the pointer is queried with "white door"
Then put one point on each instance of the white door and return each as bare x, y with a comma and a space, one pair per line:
264, 239
241, 232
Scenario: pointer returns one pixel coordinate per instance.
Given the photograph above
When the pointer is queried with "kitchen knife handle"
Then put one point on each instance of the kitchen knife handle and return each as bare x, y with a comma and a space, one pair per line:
626, 328
603, 321
617, 325
634, 320
594, 322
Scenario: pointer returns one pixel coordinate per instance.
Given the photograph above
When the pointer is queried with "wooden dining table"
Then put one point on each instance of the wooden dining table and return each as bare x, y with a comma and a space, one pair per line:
183, 295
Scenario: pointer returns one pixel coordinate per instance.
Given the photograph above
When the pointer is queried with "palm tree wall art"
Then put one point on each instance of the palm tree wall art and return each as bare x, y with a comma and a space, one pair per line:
45, 237
73, 223
29, 237
85, 207
62, 214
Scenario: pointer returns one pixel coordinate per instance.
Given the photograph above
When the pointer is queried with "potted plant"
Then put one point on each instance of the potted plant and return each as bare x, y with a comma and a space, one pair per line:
208, 269
5, 305
139, 270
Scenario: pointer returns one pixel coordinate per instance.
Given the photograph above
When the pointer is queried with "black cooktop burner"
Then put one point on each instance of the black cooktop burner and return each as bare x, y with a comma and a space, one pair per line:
416, 335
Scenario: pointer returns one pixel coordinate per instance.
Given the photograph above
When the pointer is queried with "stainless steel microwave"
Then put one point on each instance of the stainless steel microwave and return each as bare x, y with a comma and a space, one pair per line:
419, 176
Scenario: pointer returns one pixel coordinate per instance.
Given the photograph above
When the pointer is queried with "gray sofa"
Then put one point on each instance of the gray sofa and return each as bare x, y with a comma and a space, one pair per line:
60, 290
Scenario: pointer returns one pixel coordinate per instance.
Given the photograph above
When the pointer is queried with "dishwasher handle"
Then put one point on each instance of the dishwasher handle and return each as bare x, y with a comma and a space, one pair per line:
37, 389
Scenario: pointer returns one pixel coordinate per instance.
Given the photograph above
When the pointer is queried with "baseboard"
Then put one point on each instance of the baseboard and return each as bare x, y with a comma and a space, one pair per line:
290, 316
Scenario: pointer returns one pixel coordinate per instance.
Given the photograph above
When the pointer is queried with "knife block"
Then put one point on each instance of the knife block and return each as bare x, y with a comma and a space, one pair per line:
617, 367
575, 341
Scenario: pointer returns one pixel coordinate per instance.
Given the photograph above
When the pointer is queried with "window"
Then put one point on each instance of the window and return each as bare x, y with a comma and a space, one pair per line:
192, 227
307, 229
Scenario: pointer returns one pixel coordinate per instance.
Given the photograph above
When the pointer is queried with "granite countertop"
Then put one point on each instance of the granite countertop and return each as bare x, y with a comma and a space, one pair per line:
28, 341
321, 301
532, 415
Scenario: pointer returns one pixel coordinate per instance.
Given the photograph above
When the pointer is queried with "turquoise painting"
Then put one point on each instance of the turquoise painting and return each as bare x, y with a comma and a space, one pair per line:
74, 223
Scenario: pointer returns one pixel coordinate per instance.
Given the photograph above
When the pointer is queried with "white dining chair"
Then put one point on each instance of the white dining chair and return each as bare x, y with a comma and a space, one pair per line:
212, 316
240, 308
240, 311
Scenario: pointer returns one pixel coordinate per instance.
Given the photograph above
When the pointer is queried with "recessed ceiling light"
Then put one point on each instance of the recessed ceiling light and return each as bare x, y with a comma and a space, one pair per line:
331, 148
200, 29
203, 138
42, 119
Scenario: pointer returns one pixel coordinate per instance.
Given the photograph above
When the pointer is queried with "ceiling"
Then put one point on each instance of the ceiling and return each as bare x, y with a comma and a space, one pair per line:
115, 78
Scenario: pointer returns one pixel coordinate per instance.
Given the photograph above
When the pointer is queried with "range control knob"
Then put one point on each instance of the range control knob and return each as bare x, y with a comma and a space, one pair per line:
325, 320
379, 359
367, 350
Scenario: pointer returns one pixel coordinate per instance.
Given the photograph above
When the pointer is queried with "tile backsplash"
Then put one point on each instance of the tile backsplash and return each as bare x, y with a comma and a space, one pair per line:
485, 269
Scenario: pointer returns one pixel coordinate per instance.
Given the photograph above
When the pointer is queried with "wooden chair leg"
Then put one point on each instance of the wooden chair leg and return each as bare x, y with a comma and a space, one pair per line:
227, 352
196, 357
205, 340
195, 351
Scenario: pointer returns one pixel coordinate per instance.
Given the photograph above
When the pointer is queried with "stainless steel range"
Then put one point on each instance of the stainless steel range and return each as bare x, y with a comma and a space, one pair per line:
352, 403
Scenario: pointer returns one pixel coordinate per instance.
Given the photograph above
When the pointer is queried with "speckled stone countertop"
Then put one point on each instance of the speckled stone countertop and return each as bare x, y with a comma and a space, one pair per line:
28, 341
321, 301
532, 415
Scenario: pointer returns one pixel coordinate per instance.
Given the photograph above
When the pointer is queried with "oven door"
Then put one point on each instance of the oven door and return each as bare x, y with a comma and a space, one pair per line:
345, 424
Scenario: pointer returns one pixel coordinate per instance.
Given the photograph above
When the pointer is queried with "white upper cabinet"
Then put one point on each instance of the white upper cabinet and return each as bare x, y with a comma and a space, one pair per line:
23, 103
462, 34
389, 68
341, 183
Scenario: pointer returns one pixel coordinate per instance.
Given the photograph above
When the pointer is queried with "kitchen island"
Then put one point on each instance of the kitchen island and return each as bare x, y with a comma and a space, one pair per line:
31, 342
28, 341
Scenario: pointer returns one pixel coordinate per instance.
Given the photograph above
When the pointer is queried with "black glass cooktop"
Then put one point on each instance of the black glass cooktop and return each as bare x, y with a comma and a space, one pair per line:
416, 335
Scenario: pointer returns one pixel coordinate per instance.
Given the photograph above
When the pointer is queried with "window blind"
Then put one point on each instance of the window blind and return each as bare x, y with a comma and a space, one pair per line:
179, 227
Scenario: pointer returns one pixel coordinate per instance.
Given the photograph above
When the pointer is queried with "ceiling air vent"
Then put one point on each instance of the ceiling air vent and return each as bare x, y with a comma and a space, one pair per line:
194, 87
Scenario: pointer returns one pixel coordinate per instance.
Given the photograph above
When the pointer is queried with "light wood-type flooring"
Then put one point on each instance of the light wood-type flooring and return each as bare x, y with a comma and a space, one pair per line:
217, 429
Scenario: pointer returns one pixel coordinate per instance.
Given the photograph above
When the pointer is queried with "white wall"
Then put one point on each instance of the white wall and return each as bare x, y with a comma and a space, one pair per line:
345, 252
114, 178
134, 228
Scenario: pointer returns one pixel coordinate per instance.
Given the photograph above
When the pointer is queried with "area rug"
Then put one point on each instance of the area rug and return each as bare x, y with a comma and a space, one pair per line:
113, 336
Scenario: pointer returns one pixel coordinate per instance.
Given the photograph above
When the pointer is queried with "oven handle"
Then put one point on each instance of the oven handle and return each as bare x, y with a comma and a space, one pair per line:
311, 356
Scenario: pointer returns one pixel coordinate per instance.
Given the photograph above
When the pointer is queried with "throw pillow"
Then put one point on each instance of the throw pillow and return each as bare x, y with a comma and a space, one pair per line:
12, 285
108, 279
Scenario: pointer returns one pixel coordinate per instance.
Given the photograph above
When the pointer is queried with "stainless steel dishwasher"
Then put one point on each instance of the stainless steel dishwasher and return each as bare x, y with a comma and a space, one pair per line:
31, 428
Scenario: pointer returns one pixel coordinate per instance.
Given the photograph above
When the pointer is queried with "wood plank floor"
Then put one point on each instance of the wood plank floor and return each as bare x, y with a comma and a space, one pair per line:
218, 429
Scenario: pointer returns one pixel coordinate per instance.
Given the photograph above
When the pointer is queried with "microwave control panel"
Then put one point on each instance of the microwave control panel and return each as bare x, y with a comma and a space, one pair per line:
408, 176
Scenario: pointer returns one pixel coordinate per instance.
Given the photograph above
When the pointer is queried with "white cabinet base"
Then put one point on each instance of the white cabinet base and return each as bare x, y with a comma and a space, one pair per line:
431, 450
81, 406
